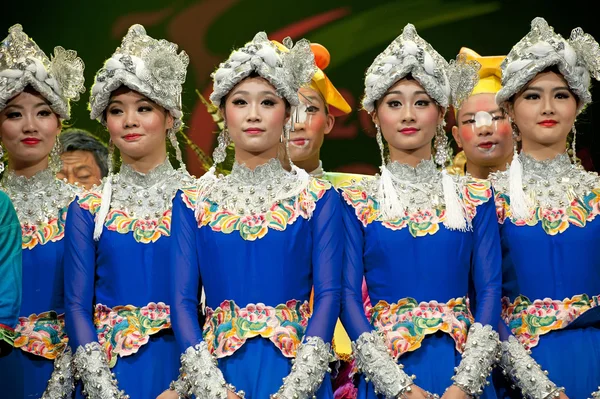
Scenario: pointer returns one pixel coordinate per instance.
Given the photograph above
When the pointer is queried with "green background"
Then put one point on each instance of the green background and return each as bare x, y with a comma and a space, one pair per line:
353, 31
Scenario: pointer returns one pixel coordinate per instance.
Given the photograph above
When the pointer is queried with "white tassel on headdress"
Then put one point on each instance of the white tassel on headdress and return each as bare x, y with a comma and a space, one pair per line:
455, 210
392, 206
519, 205
104, 207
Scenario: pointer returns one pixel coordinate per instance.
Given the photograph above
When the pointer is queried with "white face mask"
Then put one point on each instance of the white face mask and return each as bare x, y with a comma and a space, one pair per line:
483, 118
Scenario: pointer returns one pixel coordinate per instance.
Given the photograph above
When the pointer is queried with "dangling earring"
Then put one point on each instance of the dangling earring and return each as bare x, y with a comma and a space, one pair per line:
55, 161
441, 146
379, 137
220, 152
573, 151
515, 137
173, 139
1, 158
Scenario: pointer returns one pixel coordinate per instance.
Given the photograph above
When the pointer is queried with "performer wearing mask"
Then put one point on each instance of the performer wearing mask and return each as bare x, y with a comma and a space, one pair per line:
482, 128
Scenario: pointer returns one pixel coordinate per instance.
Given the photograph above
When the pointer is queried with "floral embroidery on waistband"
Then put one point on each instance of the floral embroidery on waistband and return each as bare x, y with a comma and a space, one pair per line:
407, 322
529, 320
42, 334
123, 330
228, 327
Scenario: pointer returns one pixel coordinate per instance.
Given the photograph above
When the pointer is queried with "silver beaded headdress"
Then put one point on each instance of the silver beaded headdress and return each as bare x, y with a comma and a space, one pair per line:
577, 58
287, 69
22, 63
146, 65
463, 76
407, 54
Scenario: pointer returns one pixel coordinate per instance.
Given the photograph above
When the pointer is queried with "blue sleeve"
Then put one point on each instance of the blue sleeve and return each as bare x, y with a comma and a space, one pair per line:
327, 251
185, 279
353, 315
80, 271
10, 266
486, 268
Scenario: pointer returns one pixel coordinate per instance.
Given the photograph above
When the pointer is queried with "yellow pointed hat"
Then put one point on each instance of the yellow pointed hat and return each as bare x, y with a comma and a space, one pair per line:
490, 75
321, 83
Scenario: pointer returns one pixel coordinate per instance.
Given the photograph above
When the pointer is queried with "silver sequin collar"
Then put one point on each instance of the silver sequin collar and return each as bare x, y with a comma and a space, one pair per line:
251, 191
37, 199
552, 183
147, 195
420, 186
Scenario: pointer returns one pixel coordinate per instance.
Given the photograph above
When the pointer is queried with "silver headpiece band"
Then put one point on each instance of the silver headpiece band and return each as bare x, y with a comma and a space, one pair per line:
22, 63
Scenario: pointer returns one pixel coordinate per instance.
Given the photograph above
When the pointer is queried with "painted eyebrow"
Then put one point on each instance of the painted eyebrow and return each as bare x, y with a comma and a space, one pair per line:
399, 92
143, 99
535, 88
17, 106
247, 93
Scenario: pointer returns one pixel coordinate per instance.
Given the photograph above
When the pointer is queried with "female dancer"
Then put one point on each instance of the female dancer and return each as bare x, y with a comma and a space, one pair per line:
258, 241
422, 239
118, 237
547, 207
34, 98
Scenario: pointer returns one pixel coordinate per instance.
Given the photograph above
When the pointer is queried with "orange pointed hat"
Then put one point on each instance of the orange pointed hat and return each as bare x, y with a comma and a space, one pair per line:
490, 75
321, 83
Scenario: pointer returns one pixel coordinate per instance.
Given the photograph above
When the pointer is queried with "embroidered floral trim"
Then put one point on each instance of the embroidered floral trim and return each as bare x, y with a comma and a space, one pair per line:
559, 193
42, 334
123, 330
528, 320
255, 226
144, 230
420, 222
228, 327
7, 334
50, 231
554, 220
406, 323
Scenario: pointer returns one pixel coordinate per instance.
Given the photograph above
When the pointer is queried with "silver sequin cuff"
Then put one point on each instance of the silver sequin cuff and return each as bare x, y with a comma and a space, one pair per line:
201, 374
181, 387
61, 384
91, 366
596, 394
525, 372
308, 370
374, 361
481, 353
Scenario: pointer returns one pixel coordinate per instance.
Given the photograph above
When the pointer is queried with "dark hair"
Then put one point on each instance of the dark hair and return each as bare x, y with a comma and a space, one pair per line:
81, 140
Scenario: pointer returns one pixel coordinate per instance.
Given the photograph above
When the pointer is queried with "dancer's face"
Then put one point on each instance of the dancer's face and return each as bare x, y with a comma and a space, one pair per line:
137, 125
255, 116
28, 128
544, 111
407, 116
